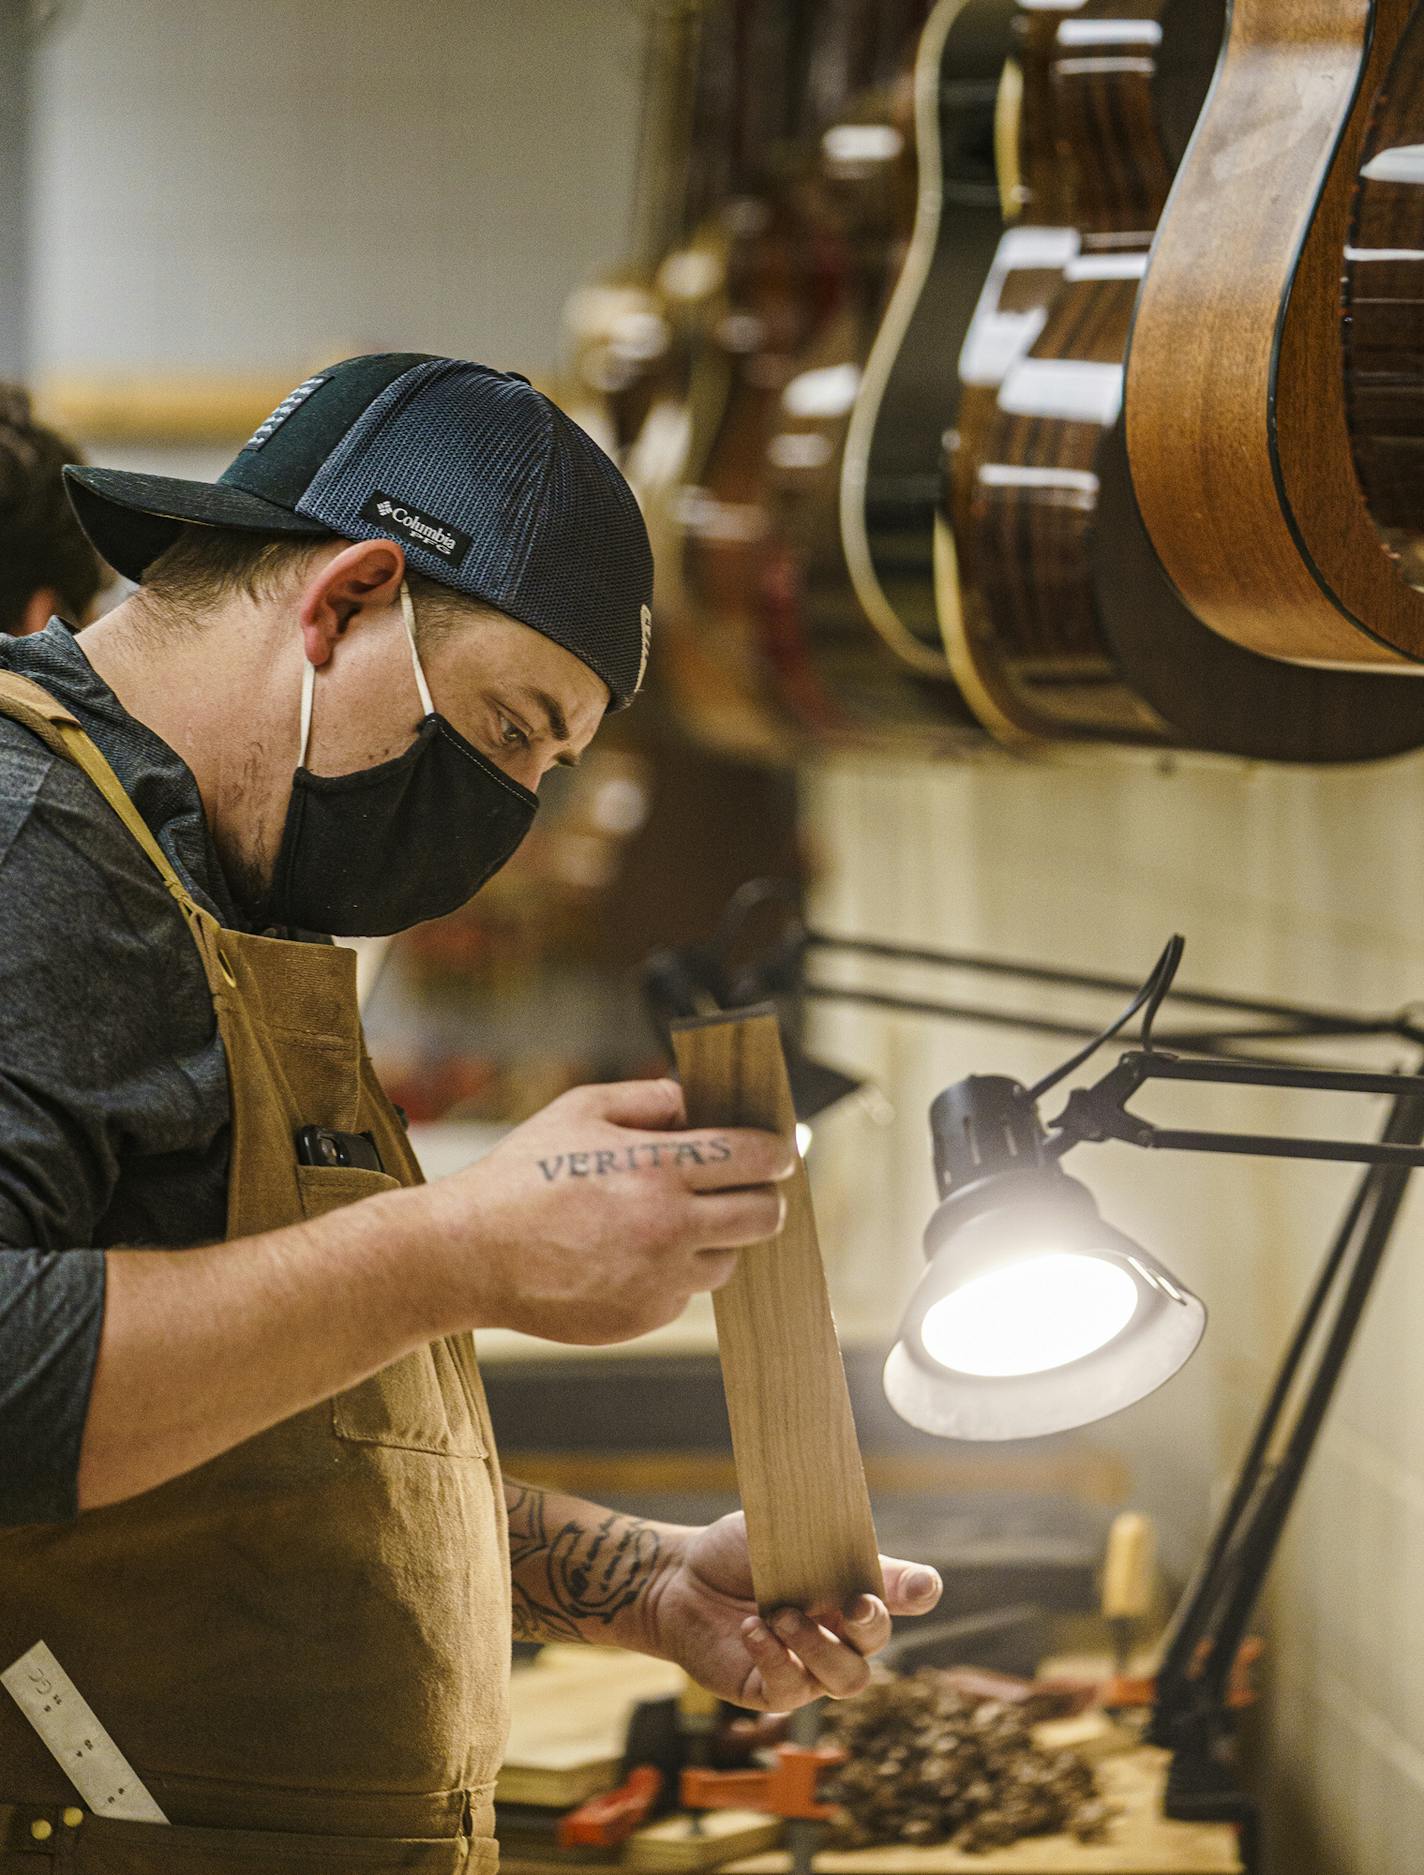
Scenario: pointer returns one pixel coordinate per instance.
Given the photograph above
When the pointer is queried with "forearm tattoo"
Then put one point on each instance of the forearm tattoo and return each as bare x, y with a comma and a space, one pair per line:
641, 1158
572, 1576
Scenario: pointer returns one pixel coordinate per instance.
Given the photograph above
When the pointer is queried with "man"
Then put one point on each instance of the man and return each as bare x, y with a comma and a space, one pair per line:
46, 564
252, 1501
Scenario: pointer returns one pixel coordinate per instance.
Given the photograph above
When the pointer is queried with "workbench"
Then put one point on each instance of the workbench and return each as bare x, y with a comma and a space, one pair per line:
1140, 1841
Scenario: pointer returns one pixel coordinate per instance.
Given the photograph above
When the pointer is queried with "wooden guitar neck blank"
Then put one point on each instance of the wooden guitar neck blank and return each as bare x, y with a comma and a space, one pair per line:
809, 1526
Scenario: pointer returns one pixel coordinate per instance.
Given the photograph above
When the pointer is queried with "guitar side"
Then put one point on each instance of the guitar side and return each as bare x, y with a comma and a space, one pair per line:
1104, 87
889, 485
1060, 617
1384, 308
1236, 424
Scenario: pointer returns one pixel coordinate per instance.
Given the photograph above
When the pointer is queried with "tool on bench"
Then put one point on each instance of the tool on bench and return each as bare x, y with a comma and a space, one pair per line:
787, 1788
610, 1818
664, 1735
1129, 1578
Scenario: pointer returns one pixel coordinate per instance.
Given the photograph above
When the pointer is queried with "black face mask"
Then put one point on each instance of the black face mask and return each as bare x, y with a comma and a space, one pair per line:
371, 853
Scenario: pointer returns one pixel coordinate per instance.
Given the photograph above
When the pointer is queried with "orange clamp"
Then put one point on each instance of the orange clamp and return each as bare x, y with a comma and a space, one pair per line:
610, 1818
787, 1789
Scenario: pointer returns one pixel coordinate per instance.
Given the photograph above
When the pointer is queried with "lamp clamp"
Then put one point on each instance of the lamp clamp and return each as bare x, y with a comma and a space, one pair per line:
1097, 1113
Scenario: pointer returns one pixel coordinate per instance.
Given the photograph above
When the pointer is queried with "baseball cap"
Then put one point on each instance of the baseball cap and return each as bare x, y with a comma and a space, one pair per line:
487, 485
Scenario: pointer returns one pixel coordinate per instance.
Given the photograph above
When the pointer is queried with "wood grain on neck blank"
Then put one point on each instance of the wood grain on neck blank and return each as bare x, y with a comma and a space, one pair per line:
809, 1527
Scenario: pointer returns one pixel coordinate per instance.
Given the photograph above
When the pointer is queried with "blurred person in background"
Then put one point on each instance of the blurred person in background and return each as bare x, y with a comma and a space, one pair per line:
47, 566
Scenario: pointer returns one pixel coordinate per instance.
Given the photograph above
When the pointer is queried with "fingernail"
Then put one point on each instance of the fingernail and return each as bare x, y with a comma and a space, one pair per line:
862, 1612
757, 1634
786, 1623
922, 1583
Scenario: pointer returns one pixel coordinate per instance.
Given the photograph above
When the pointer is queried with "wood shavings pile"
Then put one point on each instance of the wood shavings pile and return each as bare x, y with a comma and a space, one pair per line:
928, 1763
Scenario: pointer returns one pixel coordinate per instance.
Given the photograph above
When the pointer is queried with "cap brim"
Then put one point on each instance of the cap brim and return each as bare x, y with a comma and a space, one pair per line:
130, 518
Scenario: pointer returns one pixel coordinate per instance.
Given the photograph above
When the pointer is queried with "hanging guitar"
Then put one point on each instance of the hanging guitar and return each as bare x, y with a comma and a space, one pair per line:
616, 326
859, 186
781, 276
1237, 425
1384, 308
890, 463
1059, 620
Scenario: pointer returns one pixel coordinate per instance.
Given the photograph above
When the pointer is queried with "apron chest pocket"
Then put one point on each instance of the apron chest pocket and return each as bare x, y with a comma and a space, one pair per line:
420, 1403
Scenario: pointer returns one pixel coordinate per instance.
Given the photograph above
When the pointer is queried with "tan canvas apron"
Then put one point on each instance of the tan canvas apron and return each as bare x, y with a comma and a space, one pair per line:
302, 1647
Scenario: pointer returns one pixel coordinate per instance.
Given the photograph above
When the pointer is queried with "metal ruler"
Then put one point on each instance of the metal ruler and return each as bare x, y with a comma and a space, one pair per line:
90, 1759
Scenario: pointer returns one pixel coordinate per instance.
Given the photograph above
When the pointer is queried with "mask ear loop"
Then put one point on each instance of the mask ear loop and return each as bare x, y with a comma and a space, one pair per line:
308, 690
309, 677
408, 614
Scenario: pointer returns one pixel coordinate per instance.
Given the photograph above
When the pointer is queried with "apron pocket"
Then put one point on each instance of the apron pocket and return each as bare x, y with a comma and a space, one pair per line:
326, 1188
107, 1846
419, 1403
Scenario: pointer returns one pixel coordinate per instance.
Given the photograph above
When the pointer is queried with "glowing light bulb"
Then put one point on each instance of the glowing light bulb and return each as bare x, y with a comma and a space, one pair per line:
1038, 1313
803, 1138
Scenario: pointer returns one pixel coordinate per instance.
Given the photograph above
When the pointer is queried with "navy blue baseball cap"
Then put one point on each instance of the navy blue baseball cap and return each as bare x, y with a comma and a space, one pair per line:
486, 484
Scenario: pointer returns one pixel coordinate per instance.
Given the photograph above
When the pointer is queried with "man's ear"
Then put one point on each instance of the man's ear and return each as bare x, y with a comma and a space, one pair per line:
363, 576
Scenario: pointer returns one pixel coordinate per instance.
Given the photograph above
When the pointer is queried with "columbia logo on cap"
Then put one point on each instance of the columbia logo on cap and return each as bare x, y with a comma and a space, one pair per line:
441, 537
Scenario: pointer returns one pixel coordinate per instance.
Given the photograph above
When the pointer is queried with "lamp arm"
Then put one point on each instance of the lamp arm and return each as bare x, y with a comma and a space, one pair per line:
1190, 1708
1289, 1020
1200, 1603
1100, 1112
1214, 1040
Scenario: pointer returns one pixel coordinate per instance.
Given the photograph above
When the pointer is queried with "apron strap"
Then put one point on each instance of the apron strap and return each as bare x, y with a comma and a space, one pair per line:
30, 705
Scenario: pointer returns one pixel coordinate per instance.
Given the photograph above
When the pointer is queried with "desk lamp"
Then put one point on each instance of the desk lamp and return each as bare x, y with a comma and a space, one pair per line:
1034, 1315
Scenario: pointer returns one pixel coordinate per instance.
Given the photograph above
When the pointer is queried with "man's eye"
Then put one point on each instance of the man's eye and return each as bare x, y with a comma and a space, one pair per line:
511, 735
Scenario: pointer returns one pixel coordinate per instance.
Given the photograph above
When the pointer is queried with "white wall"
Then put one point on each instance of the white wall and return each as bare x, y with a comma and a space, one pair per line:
1286, 883
258, 185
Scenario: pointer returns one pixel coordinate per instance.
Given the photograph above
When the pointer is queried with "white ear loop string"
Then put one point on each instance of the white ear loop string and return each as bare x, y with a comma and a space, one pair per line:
308, 688
408, 614
309, 677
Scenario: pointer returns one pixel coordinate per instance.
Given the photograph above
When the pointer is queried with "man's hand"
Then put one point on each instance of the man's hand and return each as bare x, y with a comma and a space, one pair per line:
598, 1219
699, 1612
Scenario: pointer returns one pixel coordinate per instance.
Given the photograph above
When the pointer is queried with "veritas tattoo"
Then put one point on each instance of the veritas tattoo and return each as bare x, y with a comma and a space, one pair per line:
569, 1574
652, 1152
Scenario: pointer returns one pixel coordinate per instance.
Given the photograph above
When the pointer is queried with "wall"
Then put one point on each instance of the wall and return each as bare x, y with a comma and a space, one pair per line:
267, 186
1285, 883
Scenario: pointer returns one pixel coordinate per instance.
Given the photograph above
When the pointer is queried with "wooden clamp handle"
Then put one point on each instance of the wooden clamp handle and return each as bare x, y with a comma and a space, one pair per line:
1128, 1571
809, 1527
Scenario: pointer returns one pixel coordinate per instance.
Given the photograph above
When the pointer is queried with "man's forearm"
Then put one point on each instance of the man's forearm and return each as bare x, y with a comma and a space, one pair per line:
201, 1349
579, 1571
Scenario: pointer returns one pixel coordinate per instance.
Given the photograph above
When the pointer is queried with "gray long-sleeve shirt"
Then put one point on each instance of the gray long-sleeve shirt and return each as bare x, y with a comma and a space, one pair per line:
114, 1106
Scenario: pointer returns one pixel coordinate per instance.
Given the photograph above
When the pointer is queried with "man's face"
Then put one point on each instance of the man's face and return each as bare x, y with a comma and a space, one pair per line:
522, 700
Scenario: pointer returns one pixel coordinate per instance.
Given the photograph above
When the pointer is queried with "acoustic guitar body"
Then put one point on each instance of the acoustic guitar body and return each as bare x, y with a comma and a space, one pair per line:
1057, 611
890, 475
1384, 308
1106, 88
713, 653
1237, 430
699, 470
863, 185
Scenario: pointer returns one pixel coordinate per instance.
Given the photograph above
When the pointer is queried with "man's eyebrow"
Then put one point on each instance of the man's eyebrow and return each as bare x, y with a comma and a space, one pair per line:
557, 722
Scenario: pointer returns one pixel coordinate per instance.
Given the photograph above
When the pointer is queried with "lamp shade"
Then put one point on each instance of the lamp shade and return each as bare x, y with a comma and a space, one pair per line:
1034, 1315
